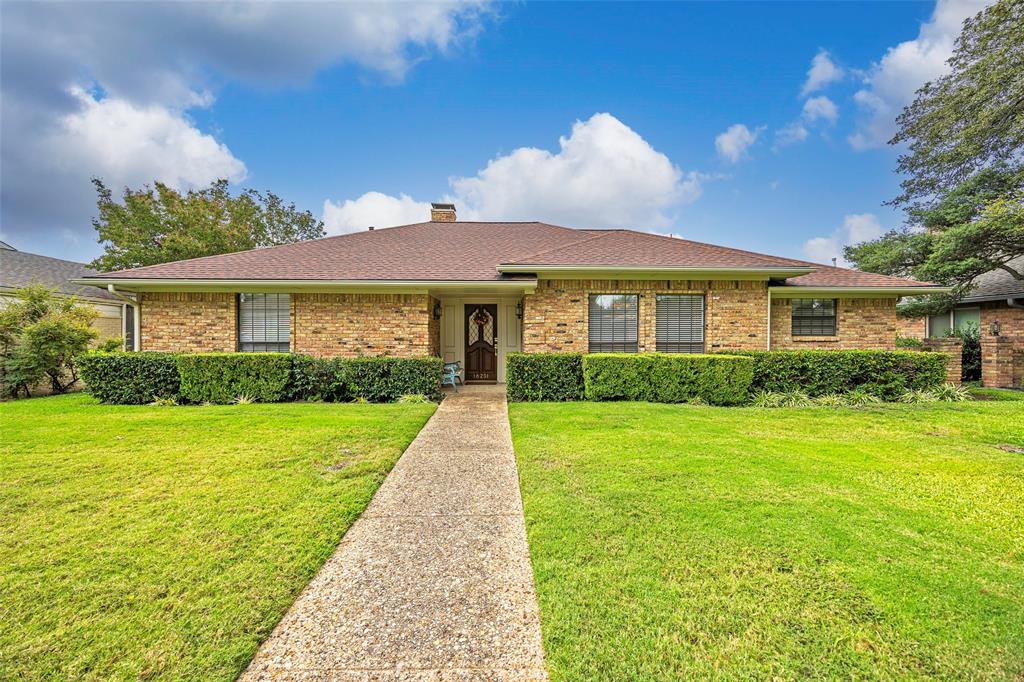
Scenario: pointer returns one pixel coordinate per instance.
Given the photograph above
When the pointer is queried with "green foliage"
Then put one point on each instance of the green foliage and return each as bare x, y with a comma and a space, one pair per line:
973, 116
975, 228
158, 224
221, 378
667, 378
414, 399
951, 393
544, 376
378, 380
114, 345
909, 342
885, 374
40, 336
131, 378
917, 396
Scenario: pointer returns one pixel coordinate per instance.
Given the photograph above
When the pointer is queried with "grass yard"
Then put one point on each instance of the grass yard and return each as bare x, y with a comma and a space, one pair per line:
682, 542
166, 542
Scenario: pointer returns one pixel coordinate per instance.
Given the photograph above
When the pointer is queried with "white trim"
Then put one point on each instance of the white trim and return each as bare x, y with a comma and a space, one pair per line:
306, 285
854, 292
769, 334
653, 272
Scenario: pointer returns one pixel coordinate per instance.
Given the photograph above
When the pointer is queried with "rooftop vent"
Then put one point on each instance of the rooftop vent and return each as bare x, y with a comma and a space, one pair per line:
442, 213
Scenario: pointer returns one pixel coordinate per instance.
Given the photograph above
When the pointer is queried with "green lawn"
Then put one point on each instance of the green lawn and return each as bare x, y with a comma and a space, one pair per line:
166, 542
676, 542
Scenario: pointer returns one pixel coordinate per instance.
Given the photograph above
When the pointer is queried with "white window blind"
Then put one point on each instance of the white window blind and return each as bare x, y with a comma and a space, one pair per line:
679, 323
264, 323
613, 323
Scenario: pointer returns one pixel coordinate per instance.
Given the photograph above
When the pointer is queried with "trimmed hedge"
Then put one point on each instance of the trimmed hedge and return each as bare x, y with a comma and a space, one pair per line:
668, 378
376, 380
554, 377
886, 374
223, 377
130, 378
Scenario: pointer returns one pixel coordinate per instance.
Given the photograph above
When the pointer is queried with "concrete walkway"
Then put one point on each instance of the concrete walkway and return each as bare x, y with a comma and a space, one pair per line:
433, 582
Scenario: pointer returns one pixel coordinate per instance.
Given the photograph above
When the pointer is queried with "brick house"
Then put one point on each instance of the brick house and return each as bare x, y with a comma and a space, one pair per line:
996, 305
475, 291
19, 269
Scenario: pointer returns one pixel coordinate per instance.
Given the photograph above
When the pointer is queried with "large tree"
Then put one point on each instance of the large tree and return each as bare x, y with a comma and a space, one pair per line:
972, 117
964, 179
159, 224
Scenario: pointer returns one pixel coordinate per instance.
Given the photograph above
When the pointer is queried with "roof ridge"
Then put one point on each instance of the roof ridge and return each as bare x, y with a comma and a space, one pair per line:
523, 261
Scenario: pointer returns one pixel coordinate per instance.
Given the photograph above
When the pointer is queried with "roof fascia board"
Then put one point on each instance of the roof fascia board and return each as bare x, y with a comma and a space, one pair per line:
851, 292
986, 299
646, 272
312, 286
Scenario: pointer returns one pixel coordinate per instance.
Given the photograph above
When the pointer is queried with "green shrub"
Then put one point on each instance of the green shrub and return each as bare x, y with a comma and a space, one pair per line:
375, 380
885, 374
667, 378
222, 377
909, 342
130, 378
554, 377
951, 393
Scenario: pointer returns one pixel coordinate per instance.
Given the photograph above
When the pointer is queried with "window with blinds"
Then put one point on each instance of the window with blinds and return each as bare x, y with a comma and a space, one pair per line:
679, 324
814, 317
264, 323
613, 323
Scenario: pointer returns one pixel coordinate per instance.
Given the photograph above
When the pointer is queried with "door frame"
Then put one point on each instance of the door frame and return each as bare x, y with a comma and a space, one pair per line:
468, 308
510, 328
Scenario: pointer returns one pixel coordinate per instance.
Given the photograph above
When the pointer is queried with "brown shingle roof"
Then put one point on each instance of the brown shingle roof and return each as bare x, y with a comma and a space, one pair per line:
472, 251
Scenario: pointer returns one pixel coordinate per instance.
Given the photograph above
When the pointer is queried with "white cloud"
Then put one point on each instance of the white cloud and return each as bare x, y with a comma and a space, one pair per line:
891, 83
791, 134
823, 71
373, 209
129, 145
603, 175
104, 89
857, 227
732, 145
820, 109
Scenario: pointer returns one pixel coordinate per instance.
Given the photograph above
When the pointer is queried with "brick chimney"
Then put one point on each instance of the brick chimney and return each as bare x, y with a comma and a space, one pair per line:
442, 213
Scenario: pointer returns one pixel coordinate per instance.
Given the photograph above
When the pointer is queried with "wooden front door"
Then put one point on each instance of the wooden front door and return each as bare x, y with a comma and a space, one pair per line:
481, 333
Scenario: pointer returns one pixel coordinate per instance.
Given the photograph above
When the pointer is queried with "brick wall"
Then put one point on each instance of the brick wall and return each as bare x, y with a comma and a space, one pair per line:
555, 317
912, 327
180, 322
861, 323
954, 350
362, 324
1002, 357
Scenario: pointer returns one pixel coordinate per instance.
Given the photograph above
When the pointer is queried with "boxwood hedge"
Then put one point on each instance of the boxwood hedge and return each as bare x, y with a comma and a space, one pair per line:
224, 377
130, 378
886, 374
668, 378
553, 377
376, 380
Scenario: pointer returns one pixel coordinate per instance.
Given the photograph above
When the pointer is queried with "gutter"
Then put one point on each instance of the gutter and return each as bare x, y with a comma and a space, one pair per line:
771, 272
195, 284
802, 291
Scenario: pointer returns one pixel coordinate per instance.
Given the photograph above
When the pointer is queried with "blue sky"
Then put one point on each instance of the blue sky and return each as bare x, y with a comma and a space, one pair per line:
712, 126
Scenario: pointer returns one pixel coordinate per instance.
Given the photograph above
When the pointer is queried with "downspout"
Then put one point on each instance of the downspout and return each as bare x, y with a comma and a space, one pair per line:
133, 303
769, 335
1012, 302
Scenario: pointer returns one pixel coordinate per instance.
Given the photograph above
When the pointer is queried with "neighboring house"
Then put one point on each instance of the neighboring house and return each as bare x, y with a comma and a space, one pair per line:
475, 291
19, 269
995, 302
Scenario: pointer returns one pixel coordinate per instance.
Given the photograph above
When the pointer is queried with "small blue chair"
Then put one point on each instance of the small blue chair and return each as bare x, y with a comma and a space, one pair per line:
452, 375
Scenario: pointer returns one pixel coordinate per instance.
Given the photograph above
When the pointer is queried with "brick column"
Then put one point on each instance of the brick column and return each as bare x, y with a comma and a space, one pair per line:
997, 361
953, 348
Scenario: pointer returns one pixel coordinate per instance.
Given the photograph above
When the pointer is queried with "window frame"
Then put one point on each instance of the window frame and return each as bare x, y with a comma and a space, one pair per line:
614, 346
667, 346
804, 333
263, 346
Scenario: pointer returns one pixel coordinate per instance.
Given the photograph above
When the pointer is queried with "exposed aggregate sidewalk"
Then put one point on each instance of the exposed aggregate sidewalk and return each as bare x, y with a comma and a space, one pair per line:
433, 582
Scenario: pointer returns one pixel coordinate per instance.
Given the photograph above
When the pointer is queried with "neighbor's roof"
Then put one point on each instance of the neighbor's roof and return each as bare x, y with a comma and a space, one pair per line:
477, 252
20, 269
997, 284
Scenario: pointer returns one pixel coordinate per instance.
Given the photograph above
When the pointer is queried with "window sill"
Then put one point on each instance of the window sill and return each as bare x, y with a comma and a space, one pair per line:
816, 339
